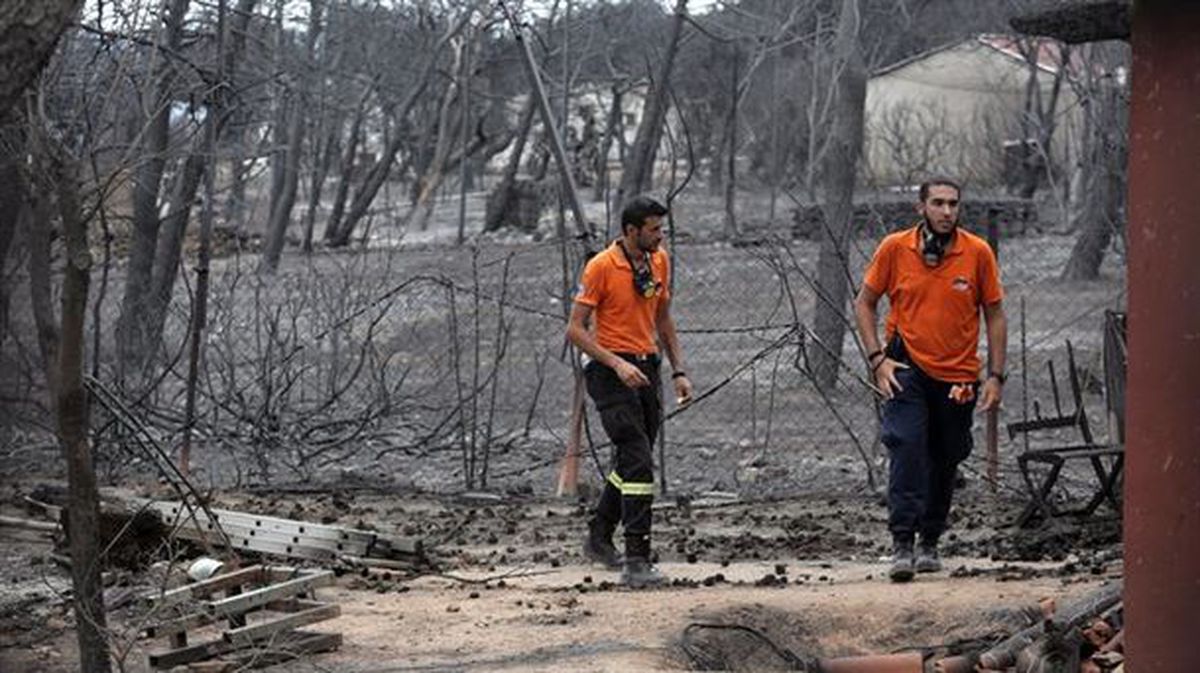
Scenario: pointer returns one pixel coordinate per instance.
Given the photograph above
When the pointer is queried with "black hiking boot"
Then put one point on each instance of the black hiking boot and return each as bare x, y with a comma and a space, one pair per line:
640, 573
902, 569
927, 559
598, 547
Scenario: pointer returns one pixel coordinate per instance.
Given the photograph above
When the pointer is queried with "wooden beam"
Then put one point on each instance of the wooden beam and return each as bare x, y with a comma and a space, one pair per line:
182, 624
207, 587
295, 644
236, 605
246, 635
29, 524
186, 655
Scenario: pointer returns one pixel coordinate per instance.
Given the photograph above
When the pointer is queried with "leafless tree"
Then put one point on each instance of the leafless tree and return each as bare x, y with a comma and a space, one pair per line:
1100, 216
840, 169
379, 172
297, 103
639, 164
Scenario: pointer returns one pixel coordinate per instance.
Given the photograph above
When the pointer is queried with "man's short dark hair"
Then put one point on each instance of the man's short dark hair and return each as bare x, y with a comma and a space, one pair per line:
639, 208
923, 192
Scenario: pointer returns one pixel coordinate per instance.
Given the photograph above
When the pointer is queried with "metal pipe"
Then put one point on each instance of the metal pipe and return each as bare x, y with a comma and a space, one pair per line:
908, 662
1162, 478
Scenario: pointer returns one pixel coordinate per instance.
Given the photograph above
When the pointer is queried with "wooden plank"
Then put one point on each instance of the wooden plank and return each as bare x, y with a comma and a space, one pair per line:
293, 605
246, 635
186, 655
235, 605
206, 587
182, 624
295, 645
387, 563
29, 524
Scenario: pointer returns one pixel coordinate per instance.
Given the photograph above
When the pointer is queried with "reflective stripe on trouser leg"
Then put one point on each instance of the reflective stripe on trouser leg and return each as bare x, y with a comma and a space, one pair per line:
636, 499
631, 487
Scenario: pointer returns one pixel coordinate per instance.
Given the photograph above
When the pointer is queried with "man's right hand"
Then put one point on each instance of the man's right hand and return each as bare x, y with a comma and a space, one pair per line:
630, 375
885, 377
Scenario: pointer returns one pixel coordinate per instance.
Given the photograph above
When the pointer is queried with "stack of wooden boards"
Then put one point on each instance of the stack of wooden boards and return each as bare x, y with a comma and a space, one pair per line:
247, 617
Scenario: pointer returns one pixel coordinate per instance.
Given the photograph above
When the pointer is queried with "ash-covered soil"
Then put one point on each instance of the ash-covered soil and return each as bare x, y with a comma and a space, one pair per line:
508, 587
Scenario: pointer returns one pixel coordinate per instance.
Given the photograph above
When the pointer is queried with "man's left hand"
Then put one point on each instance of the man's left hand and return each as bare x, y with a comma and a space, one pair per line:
683, 391
990, 394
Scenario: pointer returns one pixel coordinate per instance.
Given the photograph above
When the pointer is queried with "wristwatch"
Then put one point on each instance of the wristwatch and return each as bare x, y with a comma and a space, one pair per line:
999, 376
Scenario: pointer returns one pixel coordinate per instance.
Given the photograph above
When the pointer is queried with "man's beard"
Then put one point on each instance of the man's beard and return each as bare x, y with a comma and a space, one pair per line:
935, 243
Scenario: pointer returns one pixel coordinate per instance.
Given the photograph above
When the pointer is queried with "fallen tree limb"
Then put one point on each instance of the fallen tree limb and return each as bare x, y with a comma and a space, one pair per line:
29, 524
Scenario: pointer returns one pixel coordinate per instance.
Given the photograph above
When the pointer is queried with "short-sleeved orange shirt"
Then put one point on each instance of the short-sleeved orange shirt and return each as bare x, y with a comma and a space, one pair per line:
626, 322
936, 310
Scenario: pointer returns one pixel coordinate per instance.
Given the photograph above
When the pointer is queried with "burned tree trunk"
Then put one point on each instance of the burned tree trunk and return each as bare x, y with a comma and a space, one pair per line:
38, 235
71, 406
29, 31
131, 338
346, 171
1106, 153
503, 199
12, 205
840, 164
169, 246
284, 200
379, 172
731, 137
638, 168
431, 179
610, 130
330, 147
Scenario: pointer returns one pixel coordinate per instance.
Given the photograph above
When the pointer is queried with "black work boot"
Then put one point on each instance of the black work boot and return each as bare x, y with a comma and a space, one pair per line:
639, 573
927, 557
598, 546
903, 567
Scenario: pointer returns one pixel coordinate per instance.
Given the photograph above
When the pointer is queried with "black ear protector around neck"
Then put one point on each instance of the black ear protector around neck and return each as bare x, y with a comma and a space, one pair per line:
643, 279
934, 245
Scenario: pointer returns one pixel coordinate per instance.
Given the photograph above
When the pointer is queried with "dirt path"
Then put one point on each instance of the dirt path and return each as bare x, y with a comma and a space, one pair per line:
513, 593
566, 619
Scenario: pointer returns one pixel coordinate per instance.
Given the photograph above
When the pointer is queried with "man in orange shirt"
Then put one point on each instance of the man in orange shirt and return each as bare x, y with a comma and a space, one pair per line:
625, 292
937, 278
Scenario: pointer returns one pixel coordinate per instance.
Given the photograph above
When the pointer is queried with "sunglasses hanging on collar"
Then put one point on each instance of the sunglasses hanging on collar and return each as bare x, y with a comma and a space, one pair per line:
643, 279
934, 245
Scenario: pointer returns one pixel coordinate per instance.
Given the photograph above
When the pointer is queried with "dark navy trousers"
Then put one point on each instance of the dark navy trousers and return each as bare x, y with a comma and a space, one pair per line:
927, 435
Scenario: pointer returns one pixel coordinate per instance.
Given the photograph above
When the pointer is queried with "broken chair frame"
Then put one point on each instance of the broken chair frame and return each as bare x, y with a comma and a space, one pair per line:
1107, 460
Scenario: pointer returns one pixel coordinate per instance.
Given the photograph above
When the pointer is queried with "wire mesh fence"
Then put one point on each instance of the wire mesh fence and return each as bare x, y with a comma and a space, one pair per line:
445, 367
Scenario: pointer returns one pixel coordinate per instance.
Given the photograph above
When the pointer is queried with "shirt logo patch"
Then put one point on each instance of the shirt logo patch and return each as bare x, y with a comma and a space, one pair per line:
961, 284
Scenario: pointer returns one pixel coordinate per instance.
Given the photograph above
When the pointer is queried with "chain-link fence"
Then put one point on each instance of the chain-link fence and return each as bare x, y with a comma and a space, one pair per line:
445, 367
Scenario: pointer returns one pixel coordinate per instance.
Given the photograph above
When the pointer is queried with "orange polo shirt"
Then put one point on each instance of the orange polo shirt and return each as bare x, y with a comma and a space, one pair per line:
626, 322
936, 310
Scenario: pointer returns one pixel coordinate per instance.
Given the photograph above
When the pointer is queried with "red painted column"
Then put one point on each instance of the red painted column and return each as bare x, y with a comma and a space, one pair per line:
1162, 487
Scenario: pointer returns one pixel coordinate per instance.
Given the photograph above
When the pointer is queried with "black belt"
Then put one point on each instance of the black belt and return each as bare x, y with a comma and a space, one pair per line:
640, 358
